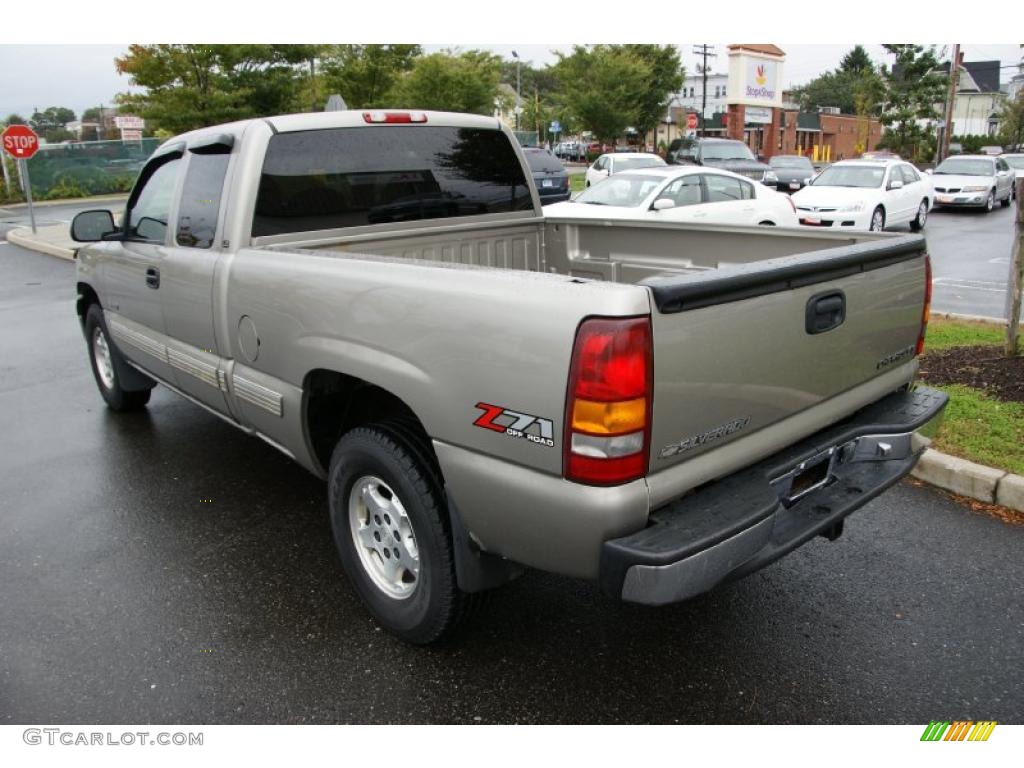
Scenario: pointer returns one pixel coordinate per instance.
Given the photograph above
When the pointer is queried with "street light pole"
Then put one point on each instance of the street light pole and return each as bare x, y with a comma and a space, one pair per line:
518, 87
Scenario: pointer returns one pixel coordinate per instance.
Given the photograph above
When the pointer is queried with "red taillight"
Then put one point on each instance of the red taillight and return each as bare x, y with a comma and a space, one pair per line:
608, 408
394, 117
927, 311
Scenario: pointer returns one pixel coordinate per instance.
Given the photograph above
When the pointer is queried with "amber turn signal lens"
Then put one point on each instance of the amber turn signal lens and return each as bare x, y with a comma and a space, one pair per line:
609, 418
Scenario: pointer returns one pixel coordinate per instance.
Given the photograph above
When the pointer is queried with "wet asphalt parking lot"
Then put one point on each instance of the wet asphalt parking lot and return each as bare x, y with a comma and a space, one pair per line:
162, 567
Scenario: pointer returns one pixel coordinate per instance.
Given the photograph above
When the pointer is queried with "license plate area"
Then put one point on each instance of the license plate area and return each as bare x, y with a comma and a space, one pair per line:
806, 477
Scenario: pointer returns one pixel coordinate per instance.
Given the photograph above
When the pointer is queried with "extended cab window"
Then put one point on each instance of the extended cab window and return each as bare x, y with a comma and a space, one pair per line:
150, 205
200, 199
352, 177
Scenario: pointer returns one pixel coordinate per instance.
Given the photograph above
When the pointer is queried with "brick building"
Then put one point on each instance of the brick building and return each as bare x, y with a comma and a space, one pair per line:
839, 137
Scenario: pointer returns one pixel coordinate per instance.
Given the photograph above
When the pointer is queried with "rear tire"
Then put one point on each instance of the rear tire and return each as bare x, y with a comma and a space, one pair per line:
391, 527
105, 360
922, 217
1008, 199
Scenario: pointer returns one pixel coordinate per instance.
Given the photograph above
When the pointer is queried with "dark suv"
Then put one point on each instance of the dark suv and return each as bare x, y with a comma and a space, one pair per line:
728, 154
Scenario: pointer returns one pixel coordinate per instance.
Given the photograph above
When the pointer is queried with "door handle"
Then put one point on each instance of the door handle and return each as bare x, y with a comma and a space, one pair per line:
825, 312
153, 277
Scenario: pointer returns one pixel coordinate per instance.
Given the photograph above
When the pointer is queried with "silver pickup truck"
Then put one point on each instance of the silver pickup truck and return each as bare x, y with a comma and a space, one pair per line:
378, 295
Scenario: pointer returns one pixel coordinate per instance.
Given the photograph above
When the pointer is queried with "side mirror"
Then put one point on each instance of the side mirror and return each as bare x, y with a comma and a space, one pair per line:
92, 226
896, 184
663, 204
808, 180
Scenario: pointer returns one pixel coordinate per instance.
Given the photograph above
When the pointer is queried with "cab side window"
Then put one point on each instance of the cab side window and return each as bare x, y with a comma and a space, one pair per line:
200, 199
149, 207
910, 175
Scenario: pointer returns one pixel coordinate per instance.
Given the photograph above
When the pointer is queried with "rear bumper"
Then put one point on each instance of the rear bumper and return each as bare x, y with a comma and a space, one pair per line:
734, 526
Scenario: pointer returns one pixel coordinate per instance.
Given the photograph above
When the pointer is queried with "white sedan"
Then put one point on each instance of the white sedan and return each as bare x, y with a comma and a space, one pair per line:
616, 162
866, 194
685, 193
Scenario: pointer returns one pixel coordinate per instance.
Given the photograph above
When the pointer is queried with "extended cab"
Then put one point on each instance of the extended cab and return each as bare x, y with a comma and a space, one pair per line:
660, 407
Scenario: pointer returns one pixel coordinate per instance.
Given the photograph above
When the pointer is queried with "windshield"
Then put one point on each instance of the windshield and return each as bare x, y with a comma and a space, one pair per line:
541, 160
622, 189
791, 162
965, 166
1014, 161
726, 150
634, 163
851, 176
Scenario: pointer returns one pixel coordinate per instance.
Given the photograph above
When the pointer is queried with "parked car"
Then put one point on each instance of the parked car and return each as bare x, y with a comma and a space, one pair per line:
973, 181
866, 194
1016, 162
657, 407
727, 154
549, 175
682, 193
616, 162
991, 151
792, 172
571, 151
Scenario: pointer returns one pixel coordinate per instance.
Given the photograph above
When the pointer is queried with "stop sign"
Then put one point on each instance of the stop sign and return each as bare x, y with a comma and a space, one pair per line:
20, 141
691, 121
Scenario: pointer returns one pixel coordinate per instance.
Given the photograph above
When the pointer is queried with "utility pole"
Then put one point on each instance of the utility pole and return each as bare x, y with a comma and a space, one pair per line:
518, 85
706, 51
954, 77
1015, 284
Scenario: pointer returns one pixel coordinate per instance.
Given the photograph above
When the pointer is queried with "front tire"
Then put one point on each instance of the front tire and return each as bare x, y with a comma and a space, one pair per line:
105, 360
391, 527
922, 217
990, 203
877, 220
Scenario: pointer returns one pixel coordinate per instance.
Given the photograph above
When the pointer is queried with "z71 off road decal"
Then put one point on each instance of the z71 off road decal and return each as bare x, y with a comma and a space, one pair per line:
516, 424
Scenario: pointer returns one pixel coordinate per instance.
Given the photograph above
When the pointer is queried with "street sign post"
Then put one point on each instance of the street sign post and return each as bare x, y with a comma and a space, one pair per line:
21, 143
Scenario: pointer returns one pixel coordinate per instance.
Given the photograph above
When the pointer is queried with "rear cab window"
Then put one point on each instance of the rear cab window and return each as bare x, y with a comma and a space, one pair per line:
354, 177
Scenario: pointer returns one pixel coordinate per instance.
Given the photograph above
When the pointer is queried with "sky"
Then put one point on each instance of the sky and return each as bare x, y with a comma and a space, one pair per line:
83, 76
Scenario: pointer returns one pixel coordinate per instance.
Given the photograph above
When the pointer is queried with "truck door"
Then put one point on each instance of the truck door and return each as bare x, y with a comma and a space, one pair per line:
188, 275
131, 274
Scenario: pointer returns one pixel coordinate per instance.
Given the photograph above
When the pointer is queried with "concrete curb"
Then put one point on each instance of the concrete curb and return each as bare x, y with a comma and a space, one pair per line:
25, 239
975, 481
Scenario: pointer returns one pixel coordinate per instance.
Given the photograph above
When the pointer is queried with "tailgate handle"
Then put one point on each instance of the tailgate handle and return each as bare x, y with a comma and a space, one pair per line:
825, 312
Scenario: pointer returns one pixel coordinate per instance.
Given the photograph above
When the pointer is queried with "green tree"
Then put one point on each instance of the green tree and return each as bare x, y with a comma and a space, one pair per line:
465, 82
364, 75
602, 88
15, 119
50, 123
914, 87
852, 87
190, 86
665, 77
1011, 124
856, 60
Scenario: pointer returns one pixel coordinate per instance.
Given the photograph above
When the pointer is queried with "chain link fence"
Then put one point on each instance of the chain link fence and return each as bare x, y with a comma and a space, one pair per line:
81, 169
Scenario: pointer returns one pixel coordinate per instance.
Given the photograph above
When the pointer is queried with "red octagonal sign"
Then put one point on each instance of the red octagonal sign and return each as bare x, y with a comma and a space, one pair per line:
20, 141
